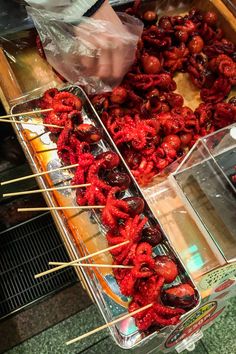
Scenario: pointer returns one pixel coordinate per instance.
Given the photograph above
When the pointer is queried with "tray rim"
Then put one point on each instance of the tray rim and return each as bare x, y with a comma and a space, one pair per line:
68, 238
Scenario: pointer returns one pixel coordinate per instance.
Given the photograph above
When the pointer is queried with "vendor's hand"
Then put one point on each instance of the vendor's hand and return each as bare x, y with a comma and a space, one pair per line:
111, 52
94, 52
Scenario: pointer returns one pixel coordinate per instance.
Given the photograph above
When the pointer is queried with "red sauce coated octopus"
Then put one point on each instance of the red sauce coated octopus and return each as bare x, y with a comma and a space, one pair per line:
144, 112
124, 217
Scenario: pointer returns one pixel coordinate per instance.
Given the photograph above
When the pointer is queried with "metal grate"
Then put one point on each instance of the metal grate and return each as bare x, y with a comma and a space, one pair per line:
25, 250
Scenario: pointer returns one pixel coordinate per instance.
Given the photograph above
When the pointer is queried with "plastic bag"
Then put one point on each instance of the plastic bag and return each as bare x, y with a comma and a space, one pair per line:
82, 50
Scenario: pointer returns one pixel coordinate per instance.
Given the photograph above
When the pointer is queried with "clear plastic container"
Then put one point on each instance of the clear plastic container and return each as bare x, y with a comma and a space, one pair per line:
205, 182
196, 204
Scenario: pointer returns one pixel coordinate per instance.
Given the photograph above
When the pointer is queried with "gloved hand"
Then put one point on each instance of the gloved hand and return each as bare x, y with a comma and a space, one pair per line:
95, 52
112, 43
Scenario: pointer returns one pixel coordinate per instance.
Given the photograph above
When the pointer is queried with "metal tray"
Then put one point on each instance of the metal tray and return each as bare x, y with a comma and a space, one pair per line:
81, 234
82, 231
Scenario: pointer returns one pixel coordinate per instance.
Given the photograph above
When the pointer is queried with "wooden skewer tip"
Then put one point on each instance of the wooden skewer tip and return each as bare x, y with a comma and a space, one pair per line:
46, 190
31, 123
97, 265
86, 207
26, 113
91, 265
68, 264
108, 324
38, 174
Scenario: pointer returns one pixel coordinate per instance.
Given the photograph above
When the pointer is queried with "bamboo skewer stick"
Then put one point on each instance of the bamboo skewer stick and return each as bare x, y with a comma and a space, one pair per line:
47, 190
26, 113
30, 123
109, 324
38, 174
62, 208
68, 264
97, 265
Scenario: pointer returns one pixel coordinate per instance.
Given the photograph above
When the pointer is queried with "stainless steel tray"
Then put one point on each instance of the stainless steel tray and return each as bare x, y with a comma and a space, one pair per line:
82, 232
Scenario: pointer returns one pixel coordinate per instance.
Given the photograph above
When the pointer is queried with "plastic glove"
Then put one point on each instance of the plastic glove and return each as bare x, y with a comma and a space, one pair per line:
92, 52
